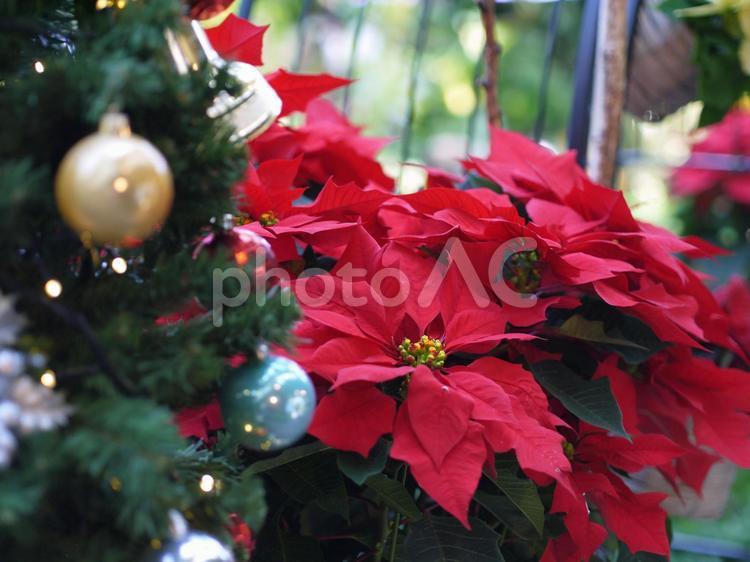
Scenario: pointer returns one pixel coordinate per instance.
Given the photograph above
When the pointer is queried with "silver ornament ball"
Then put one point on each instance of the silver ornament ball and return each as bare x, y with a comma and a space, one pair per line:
195, 547
191, 546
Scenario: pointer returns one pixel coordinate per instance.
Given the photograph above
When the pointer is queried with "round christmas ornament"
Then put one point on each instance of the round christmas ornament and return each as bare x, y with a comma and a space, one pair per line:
267, 403
190, 546
114, 187
251, 251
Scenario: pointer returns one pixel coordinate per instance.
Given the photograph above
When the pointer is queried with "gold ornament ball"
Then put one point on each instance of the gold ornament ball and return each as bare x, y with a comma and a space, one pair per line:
114, 187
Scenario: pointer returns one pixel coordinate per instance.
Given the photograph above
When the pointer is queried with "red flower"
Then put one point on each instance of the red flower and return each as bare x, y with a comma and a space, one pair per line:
298, 90
199, 421
709, 166
331, 147
238, 39
267, 195
268, 192
734, 298
450, 421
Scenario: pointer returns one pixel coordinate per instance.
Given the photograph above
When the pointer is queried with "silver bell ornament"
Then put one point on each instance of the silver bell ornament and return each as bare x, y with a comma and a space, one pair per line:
253, 109
190, 546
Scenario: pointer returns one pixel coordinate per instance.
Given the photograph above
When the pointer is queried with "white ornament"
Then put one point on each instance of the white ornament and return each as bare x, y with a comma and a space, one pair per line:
41, 408
7, 445
191, 546
10, 321
11, 362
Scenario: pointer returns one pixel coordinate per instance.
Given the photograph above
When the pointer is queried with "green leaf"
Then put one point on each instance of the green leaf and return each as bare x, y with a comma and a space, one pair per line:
395, 495
474, 180
590, 400
629, 337
278, 545
287, 456
314, 478
506, 512
358, 468
520, 491
592, 331
247, 498
624, 555
444, 539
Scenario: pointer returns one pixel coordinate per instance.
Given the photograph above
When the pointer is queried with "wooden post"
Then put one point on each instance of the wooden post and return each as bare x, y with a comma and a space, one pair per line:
609, 90
492, 52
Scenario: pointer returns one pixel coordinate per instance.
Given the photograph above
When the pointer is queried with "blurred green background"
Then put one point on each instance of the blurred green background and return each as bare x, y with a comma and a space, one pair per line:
447, 100
446, 95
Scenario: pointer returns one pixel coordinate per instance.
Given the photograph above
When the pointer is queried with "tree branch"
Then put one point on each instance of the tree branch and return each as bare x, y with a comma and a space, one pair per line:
492, 52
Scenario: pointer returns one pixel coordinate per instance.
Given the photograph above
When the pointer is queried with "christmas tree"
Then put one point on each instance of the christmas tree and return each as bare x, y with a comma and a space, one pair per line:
98, 319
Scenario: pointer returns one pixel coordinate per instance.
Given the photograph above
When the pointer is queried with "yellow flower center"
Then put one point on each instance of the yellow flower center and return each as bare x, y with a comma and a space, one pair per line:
569, 449
268, 218
425, 351
523, 271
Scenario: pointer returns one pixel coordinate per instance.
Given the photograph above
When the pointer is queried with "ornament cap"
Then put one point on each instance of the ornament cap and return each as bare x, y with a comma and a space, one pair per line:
115, 123
178, 527
227, 221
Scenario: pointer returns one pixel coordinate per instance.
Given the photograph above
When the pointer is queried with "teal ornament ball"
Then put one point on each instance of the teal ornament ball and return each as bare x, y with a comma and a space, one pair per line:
267, 404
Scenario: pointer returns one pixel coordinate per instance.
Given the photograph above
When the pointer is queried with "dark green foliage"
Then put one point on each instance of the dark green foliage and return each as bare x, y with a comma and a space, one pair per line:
608, 329
521, 492
100, 488
358, 469
590, 400
721, 80
443, 539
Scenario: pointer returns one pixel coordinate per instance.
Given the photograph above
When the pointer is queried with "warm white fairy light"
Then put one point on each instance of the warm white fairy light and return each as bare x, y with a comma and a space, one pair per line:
207, 483
39, 66
120, 184
48, 378
119, 265
53, 288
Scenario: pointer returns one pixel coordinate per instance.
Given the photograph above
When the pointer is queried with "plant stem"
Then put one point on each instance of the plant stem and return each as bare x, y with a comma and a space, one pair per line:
380, 547
397, 523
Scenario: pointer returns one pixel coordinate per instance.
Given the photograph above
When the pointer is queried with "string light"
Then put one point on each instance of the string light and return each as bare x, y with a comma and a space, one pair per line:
39, 66
48, 379
104, 4
207, 483
120, 184
53, 288
119, 265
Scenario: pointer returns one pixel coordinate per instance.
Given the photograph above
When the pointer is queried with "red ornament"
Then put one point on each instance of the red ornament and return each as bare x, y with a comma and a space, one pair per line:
242, 534
251, 252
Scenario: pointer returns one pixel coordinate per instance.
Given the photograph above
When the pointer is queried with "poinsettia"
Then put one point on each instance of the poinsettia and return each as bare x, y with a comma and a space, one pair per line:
297, 90
714, 165
531, 318
200, 421
238, 39
266, 198
594, 228
331, 147
734, 297
381, 353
